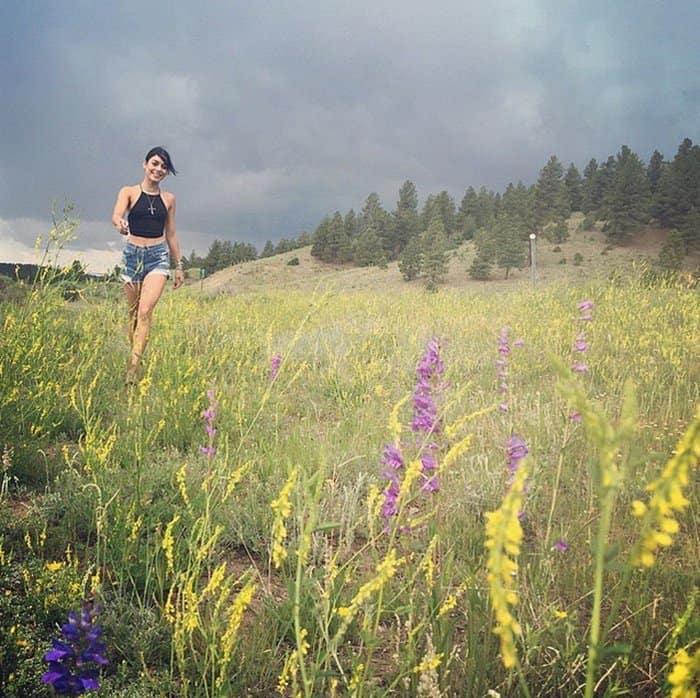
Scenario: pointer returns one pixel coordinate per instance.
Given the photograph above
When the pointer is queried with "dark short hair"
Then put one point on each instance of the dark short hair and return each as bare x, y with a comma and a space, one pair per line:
164, 155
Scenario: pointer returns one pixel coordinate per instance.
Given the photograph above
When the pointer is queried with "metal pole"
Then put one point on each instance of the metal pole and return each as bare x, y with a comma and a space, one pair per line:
533, 265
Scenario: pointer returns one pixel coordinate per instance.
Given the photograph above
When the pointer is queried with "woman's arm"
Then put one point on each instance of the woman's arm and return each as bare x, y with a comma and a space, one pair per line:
173, 241
120, 209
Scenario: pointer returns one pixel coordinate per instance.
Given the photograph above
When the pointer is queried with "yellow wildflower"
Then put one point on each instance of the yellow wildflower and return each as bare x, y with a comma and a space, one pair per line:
667, 498
282, 506
235, 616
503, 538
685, 675
169, 542
385, 571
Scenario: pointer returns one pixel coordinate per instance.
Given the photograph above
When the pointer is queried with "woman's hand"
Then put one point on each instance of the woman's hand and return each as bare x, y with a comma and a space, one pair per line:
179, 278
123, 226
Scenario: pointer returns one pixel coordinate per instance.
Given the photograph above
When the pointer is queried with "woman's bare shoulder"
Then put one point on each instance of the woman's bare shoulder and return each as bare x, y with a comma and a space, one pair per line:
168, 198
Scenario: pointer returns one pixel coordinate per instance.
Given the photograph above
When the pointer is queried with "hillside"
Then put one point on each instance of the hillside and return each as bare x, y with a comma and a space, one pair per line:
554, 262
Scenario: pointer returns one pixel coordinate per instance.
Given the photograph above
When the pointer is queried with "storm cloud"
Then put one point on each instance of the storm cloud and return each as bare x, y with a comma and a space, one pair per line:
277, 113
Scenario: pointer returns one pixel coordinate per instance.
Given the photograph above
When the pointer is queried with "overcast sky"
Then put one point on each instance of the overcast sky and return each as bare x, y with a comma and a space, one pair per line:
279, 112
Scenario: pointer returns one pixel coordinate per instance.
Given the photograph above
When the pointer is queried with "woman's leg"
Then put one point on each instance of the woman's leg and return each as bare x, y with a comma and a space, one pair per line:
132, 291
151, 290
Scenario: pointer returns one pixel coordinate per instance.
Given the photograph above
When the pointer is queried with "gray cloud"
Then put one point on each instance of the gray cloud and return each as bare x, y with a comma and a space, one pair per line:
278, 113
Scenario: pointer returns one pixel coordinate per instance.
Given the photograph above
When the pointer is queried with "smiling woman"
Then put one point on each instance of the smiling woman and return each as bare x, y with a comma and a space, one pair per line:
152, 242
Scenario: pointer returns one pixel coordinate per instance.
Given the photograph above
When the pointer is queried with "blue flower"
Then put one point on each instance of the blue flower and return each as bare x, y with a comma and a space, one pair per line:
72, 661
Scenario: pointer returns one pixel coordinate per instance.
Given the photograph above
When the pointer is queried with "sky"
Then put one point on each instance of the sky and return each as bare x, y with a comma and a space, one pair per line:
277, 113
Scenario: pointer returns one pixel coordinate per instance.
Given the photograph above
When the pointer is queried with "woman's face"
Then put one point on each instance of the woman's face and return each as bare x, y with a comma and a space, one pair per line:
156, 169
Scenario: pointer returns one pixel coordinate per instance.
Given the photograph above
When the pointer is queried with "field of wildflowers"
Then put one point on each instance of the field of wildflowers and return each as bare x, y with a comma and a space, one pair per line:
337, 494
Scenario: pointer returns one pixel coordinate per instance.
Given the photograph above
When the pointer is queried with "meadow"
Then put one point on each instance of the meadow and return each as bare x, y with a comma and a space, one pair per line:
332, 492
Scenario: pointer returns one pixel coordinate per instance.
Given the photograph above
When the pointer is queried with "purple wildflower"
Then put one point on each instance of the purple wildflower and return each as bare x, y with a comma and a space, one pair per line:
580, 367
516, 450
74, 662
561, 546
275, 362
425, 420
209, 417
519, 342
585, 305
575, 417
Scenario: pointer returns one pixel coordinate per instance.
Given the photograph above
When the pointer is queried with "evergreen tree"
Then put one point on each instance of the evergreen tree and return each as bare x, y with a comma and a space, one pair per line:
517, 203
339, 245
410, 261
551, 200
351, 224
368, 250
319, 247
486, 244
373, 215
591, 195
654, 170
466, 216
678, 189
573, 184
480, 268
433, 245
406, 219
268, 250
485, 208
444, 206
605, 178
629, 196
690, 230
672, 252
511, 249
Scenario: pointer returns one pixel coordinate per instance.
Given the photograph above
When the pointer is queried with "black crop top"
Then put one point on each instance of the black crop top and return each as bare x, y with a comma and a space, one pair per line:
147, 216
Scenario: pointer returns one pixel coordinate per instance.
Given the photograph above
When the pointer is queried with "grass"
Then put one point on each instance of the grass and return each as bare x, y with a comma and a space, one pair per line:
111, 486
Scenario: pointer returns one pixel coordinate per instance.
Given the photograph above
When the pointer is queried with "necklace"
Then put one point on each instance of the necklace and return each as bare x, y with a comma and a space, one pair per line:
151, 201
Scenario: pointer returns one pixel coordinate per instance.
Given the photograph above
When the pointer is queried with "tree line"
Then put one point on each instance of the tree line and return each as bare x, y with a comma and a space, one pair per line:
622, 191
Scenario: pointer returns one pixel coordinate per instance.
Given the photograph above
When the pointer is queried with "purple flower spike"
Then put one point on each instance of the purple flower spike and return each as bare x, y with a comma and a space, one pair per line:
580, 367
585, 305
519, 342
72, 669
209, 417
561, 546
275, 365
516, 450
575, 417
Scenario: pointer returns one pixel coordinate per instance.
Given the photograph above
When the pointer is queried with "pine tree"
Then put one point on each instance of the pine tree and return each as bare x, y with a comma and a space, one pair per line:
629, 196
433, 245
678, 189
690, 230
268, 250
319, 247
466, 216
410, 261
511, 249
373, 215
517, 203
672, 252
605, 178
654, 170
406, 219
551, 200
480, 268
573, 184
368, 250
339, 247
590, 191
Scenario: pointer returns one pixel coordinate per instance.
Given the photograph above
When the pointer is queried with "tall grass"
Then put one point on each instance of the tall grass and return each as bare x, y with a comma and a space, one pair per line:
261, 563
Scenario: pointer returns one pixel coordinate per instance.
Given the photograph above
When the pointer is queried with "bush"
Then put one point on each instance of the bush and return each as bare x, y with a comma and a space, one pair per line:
562, 260
293, 262
556, 249
578, 259
588, 222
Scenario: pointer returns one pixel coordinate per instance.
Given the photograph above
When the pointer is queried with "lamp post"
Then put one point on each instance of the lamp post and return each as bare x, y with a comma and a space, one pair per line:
533, 237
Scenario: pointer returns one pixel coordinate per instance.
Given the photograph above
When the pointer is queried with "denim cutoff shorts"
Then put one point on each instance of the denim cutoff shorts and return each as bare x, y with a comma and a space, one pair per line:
138, 261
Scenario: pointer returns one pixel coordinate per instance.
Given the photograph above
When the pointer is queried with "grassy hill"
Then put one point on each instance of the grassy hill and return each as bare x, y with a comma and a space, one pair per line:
555, 263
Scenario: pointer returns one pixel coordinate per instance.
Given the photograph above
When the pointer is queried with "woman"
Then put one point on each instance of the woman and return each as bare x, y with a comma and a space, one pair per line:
151, 243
